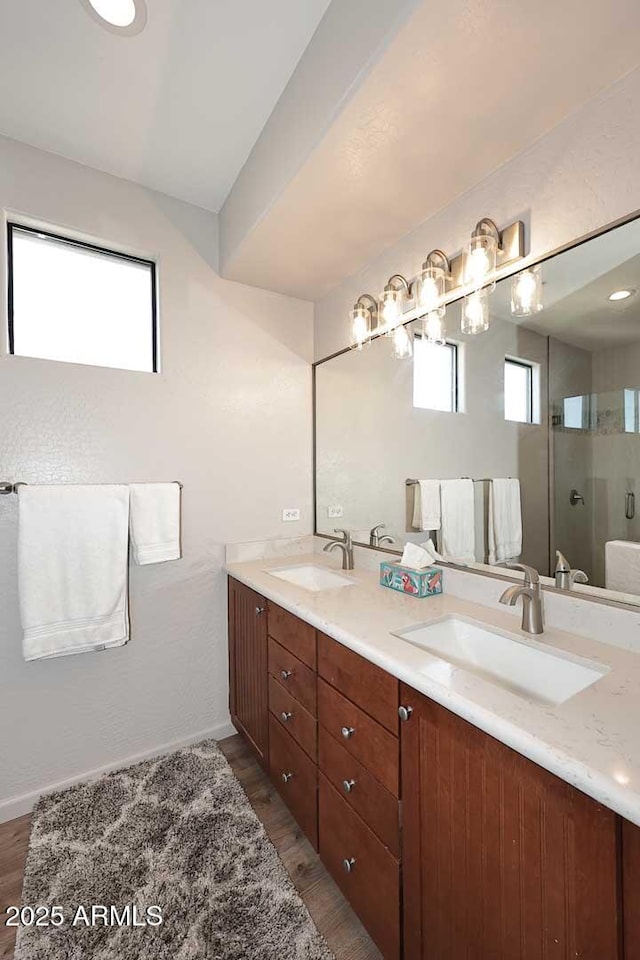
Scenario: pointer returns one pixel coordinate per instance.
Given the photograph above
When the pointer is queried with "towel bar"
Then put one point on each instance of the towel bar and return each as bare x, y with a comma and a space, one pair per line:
7, 487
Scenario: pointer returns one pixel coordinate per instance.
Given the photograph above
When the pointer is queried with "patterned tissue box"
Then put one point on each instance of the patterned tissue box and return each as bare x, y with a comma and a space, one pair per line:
415, 583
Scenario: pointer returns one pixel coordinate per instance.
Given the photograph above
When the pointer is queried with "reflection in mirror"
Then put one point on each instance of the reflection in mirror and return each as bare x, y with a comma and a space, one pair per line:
537, 419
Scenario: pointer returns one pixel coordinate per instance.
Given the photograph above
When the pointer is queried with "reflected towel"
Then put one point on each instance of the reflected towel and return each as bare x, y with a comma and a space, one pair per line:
457, 538
505, 520
155, 522
72, 568
622, 566
426, 505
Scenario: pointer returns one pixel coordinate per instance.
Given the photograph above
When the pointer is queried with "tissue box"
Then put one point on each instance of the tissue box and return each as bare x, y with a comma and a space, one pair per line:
415, 583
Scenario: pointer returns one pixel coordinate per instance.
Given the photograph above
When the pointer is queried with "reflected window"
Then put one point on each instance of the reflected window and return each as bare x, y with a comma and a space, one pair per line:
435, 376
518, 391
575, 413
79, 303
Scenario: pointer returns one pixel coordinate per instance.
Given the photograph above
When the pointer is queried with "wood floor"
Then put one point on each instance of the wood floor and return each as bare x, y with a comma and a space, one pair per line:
334, 918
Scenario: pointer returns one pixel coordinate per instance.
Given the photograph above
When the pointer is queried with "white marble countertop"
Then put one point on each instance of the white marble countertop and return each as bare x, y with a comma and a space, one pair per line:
591, 741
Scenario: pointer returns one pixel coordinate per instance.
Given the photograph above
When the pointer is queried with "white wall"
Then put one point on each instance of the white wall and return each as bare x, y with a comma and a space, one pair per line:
229, 416
577, 178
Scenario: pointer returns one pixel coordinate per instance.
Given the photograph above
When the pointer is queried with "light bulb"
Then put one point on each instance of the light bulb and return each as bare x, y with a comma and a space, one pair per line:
525, 293
390, 309
360, 326
481, 260
433, 328
402, 348
431, 284
475, 313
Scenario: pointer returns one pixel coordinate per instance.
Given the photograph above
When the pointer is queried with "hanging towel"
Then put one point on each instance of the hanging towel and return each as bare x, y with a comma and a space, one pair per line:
155, 522
505, 520
72, 568
622, 566
457, 537
426, 505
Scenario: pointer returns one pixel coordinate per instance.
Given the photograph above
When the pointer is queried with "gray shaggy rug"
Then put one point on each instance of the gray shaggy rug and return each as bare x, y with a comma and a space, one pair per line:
176, 833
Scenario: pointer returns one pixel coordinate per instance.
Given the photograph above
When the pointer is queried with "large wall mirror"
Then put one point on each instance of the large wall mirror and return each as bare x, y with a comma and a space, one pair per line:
548, 403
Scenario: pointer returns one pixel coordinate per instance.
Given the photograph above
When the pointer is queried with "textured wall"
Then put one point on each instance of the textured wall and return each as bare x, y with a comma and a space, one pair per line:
580, 176
229, 416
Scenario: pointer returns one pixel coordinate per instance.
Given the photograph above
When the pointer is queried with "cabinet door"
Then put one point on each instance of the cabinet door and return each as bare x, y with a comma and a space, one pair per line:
248, 676
631, 896
502, 860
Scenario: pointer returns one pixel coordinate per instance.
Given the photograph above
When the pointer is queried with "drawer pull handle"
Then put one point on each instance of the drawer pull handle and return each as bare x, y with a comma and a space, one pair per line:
348, 785
285, 716
259, 611
348, 732
348, 863
405, 712
286, 777
285, 674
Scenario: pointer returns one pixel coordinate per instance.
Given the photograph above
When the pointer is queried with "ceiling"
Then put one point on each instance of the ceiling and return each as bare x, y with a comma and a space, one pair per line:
176, 108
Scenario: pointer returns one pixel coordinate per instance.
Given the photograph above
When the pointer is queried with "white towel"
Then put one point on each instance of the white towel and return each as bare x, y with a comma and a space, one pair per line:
457, 538
622, 566
505, 520
155, 522
72, 568
426, 505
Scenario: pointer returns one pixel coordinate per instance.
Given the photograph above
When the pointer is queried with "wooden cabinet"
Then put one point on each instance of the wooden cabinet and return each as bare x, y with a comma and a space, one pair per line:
248, 698
502, 860
631, 889
295, 778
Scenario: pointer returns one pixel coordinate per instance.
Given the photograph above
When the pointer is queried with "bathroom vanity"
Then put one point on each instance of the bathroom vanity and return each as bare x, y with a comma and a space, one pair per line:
447, 842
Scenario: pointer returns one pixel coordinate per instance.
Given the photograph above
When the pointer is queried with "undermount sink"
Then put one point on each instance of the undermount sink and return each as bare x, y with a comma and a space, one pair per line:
526, 667
311, 577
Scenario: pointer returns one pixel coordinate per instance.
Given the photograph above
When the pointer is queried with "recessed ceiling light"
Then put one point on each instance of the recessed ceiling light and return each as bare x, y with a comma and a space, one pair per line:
621, 294
119, 16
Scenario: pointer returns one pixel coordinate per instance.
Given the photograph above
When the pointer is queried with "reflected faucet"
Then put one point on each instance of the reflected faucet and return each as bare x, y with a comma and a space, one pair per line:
565, 576
531, 598
375, 540
345, 544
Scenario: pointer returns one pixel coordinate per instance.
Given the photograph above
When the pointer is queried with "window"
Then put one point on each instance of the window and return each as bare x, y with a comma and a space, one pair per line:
79, 303
518, 391
435, 375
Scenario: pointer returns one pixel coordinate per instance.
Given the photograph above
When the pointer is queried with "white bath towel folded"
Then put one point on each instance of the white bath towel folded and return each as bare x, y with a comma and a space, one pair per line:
426, 505
505, 520
622, 566
457, 537
72, 568
154, 522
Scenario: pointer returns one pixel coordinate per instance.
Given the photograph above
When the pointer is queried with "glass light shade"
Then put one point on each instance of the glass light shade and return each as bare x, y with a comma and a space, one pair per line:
433, 328
526, 293
481, 260
360, 323
475, 313
402, 342
390, 309
431, 289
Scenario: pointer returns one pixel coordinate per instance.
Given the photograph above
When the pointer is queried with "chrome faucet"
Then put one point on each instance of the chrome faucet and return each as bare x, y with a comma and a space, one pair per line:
565, 576
531, 598
375, 540
345, 545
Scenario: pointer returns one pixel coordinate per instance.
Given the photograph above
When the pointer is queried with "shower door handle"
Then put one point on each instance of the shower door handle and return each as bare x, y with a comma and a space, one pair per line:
575, 497
629, 505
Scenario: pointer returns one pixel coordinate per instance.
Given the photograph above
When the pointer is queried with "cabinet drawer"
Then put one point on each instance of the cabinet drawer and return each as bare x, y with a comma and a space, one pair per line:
292, 715
371, 688
371, 883
368, 741
295, 778
294, 675
377, 807
294, 634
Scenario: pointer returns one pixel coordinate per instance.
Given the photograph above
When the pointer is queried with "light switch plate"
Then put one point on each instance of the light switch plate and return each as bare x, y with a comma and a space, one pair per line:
289, 514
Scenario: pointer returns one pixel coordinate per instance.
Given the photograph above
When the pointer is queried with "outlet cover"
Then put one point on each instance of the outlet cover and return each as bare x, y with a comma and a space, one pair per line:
334, 513
289, 514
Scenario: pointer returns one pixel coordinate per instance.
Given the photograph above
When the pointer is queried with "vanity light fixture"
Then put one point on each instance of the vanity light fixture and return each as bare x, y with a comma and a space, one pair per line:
364, 319
526, 292
482, 254
432, 282
621, 295
392, 300
402, 339
475, 312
